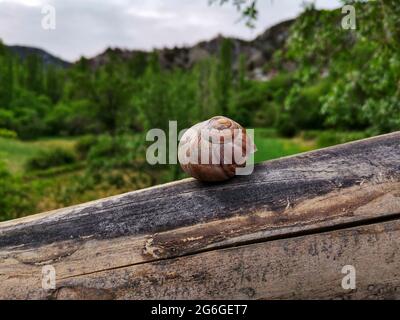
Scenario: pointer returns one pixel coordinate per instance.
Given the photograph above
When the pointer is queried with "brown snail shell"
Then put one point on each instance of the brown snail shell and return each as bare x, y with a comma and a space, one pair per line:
222, 138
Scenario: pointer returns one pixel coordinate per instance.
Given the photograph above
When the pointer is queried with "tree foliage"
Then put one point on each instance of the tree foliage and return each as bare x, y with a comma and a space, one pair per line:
361, 66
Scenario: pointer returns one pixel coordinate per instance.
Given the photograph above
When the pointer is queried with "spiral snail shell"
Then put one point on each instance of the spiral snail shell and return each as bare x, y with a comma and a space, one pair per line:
213, 149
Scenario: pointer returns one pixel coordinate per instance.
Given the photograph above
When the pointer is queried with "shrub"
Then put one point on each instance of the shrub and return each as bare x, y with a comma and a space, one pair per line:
7, 118
304, 105
109, 153
310, 134
9, 134
84, 145
29, 111
113, 154
266, 116
51, 158
15, 198
285, 126
330, 138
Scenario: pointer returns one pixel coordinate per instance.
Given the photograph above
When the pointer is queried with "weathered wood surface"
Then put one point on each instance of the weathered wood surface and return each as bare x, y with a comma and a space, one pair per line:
283, 232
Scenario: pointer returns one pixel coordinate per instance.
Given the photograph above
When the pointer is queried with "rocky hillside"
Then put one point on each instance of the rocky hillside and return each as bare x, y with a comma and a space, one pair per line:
257, 52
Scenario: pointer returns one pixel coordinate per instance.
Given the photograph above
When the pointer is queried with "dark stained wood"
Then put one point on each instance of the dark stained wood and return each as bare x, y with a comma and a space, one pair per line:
187, 231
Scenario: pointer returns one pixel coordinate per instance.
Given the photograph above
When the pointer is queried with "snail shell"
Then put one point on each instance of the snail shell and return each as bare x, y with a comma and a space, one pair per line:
213, 149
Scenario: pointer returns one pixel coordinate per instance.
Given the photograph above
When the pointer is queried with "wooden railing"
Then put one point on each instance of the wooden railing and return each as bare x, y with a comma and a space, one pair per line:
286, 231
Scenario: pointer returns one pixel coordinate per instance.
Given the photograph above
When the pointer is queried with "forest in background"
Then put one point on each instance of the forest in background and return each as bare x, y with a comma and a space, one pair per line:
69, 135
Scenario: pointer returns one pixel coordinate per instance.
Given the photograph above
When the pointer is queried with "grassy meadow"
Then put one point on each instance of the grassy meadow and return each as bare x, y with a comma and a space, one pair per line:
15, 153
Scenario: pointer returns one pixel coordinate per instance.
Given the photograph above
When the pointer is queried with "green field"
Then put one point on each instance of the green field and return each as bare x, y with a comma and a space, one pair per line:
15, 153
271, 147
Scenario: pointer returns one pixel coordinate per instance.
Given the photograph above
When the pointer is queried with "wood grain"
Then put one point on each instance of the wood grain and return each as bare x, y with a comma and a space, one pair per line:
306, 267
116, 247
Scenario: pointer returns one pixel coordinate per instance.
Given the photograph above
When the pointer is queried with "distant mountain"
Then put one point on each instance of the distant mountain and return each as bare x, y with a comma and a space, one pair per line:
257, 52
47, 58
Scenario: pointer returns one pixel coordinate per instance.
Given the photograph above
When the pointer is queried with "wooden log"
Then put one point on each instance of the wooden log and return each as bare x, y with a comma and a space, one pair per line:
283, 232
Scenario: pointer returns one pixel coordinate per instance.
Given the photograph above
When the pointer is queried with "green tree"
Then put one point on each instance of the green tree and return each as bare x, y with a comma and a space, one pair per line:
108, 89
204, 73
360, 66
224, 76
53, 83
34, 74
138, 64
6, 77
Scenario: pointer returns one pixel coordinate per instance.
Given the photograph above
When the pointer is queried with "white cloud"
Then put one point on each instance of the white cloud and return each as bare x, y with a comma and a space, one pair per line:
151, 14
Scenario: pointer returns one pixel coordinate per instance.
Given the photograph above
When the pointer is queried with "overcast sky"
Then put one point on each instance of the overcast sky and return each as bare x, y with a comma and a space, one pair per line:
87, 27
